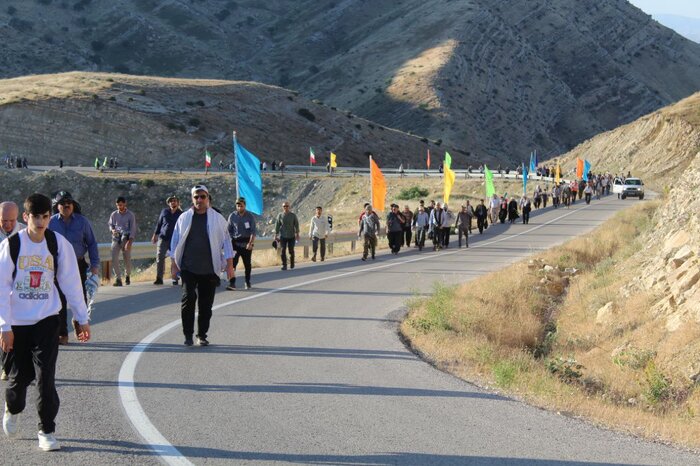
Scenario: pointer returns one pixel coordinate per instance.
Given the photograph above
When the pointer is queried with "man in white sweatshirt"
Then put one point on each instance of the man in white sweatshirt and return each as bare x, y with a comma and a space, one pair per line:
200, 248
29, 321
318, 232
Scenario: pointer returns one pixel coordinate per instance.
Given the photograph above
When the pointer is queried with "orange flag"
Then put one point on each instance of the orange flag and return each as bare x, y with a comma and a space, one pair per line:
579, 168
427, 162
378, 186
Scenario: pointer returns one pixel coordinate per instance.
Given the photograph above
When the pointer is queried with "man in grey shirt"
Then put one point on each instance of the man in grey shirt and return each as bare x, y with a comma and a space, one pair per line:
122, 224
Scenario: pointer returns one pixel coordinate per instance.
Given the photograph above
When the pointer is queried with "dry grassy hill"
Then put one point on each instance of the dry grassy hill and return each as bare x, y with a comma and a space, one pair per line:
163, 122
659, 147
491, 77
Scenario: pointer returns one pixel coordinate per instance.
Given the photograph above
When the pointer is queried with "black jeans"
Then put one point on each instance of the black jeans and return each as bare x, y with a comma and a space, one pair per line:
395, 239
63, 313
408, 234
481, 223
287, 244
463, 230
245, 255
197, 288
35, 353
314, 244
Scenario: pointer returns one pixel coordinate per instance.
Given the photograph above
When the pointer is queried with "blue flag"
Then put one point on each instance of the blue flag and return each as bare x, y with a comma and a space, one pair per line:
586, 169
533, 162
525, 173
248, 179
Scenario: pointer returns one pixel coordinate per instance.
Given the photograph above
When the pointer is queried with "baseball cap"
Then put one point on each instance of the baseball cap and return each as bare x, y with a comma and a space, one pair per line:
199, 187
240, 200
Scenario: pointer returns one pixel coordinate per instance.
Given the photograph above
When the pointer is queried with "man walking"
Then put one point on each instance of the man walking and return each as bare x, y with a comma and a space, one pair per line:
199, 237
33, 264
481, 213
369, 228
494, 208
422, 222
394, 228
74, 227
163, 234
437, 217
122, 224
318, 233
462, 226
408, 216
287, 233
241, 230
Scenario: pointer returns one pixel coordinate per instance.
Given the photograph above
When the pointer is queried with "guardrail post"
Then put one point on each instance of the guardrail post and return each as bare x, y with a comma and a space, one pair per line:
306, 252
330, 248
352, 246
106, 270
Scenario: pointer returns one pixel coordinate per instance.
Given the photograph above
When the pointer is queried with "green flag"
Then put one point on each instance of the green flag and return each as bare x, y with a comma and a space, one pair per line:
488, 176
104, 164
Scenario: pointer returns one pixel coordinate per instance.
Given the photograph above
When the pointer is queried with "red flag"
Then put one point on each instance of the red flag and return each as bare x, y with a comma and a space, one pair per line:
428, 161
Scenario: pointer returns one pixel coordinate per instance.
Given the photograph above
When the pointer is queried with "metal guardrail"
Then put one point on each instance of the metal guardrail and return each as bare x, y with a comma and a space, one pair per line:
147, 250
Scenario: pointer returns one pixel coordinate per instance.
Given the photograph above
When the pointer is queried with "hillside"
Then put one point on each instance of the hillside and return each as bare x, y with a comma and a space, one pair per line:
490, 77
160, 122
659, 147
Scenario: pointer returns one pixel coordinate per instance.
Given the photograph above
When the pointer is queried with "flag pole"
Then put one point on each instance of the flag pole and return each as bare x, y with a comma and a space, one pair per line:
371, 187
235, 162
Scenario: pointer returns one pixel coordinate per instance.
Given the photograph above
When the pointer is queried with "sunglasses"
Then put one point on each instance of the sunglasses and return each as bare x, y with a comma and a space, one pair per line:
199, 196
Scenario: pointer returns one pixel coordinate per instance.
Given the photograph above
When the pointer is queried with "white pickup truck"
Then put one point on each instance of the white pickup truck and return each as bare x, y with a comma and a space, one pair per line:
631, 187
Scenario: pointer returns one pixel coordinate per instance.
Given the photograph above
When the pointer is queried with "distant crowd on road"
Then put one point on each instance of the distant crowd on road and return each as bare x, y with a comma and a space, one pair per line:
12, 161
52, 262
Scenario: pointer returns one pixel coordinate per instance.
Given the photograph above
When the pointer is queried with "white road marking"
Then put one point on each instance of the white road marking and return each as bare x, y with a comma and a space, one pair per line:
127, 388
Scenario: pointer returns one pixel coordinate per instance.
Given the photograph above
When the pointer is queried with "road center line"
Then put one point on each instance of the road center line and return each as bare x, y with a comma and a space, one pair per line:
127, 388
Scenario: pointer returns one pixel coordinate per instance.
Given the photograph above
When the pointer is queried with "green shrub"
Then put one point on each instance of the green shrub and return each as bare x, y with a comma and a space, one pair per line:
658, 385
414, 192
504, 373
568, 370
147, 182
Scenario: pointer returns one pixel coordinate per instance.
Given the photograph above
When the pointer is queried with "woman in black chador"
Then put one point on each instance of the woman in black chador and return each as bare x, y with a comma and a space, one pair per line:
513, 210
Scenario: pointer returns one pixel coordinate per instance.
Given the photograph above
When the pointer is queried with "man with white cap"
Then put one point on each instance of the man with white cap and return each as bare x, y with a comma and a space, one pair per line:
200, 236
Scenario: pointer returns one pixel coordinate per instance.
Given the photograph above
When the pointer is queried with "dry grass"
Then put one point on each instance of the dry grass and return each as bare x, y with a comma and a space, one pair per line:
625, 372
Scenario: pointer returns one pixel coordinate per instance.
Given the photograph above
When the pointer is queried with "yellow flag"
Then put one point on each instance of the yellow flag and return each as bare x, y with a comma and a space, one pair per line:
334, 164
378, 186
449, 177
557, 175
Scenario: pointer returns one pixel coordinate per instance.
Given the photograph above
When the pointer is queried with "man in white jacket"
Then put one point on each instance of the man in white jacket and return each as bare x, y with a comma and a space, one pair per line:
29, 321
200, 236
318, 233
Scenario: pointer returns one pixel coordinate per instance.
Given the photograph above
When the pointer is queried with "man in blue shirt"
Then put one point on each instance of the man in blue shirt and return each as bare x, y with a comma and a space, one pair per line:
70, 224
241, 229
163, 234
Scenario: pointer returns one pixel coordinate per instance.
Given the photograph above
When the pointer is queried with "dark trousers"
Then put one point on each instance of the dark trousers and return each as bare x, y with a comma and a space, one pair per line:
197, 288
446, 236
526, 216
287, 244
314, 244
438, 237
245, 255
463, 230
588, 198
420, 236
63, 313
395, 239
481, 223
407, 235
35, 353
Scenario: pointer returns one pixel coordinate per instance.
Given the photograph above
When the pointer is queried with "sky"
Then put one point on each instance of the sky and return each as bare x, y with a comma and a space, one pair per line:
689, 8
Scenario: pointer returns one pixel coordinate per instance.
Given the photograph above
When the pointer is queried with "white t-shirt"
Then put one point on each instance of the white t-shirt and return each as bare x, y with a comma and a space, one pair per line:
32, 295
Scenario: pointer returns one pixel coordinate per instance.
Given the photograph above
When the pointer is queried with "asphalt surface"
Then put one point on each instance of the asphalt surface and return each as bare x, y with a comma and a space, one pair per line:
307, 368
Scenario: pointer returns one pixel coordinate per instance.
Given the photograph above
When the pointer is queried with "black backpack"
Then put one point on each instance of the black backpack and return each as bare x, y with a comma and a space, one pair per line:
51, 243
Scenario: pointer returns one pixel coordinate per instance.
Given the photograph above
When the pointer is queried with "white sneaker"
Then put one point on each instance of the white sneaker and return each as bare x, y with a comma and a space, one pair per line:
48, 442
9, 423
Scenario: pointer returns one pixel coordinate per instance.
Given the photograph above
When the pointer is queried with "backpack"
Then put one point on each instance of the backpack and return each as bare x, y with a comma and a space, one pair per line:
51, 243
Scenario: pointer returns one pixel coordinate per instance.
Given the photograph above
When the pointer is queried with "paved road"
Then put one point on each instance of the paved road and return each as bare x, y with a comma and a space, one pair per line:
307, 368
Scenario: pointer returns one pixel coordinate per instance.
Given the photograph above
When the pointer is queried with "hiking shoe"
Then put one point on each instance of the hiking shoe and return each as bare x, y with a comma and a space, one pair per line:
231, 287
323, 259
159, 281
201, 341
9, 423
4, 376
247, 285
284, 267
127, 281
188, 341
48, 442
313, 258
291, 266
117, 282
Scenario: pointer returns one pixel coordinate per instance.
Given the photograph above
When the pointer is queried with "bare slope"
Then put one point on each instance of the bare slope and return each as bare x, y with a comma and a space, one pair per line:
161, 122
488, 76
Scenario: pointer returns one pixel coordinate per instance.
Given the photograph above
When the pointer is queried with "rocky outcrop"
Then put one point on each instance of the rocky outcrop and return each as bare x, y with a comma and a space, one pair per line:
671, 265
